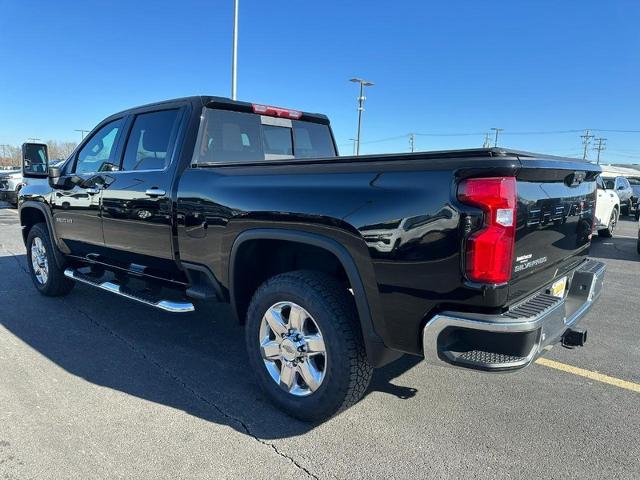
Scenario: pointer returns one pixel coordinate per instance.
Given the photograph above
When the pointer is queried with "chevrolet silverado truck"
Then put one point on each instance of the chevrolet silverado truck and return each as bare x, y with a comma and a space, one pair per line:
336, 265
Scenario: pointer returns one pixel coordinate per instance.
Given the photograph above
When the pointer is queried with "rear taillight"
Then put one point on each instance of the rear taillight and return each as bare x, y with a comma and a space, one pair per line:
489, 251
276, 111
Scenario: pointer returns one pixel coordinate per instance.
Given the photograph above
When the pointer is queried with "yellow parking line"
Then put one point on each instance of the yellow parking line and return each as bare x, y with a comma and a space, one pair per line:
599, 377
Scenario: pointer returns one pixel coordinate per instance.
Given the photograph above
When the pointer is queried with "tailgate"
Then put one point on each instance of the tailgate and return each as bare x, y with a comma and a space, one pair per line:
554, 222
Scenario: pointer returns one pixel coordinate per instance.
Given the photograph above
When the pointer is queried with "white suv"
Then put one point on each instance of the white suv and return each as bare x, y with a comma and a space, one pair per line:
607, 209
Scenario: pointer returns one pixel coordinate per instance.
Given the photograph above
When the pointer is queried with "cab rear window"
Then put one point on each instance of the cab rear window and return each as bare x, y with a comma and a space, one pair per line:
229, 137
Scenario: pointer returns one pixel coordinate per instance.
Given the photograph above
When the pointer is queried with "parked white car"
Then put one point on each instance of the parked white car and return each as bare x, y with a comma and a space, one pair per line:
607, 209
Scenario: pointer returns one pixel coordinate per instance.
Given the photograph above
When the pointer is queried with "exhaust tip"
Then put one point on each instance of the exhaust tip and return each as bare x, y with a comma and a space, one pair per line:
574, 338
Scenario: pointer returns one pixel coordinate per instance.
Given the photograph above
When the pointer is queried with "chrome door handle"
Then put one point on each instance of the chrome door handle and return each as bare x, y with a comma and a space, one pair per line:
154, 192
92, 190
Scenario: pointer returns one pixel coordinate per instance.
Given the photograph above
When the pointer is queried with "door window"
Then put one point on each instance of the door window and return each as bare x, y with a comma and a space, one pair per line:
609, 183
148, 144
97, 154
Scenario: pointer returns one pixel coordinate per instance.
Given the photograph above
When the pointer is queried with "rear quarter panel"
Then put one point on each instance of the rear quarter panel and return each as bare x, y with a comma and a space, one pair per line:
414, 200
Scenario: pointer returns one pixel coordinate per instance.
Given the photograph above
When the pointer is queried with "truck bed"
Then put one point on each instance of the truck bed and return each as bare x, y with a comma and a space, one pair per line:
399, 217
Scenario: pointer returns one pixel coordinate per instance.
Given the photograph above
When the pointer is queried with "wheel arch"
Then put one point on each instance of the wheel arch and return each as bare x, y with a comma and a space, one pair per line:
377, 353
31, 213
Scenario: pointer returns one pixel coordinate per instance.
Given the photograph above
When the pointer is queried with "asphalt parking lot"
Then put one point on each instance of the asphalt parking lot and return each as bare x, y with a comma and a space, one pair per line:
93, 386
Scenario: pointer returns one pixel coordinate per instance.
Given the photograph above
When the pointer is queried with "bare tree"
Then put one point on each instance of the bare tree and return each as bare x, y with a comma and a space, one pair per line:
60, 150
11, 156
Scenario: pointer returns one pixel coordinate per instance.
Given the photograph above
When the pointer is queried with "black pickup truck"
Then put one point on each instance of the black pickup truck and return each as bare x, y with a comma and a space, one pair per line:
337, 265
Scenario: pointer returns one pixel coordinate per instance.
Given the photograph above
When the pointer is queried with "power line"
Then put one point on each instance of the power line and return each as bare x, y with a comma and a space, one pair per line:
449, 134
484, 134
614, 131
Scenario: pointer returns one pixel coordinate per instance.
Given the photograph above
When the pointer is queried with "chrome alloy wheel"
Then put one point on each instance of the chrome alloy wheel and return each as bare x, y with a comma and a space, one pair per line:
613, 222
293, 349
39, 261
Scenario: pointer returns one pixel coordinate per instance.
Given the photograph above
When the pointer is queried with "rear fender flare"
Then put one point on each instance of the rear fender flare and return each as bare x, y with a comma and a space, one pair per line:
376, 351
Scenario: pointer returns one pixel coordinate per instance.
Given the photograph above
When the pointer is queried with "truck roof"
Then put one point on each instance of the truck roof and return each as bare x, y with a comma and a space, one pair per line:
224, 103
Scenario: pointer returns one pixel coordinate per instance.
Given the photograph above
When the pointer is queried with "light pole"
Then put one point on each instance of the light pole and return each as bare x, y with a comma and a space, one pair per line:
354, 145
82, 132
234, 59
361, 99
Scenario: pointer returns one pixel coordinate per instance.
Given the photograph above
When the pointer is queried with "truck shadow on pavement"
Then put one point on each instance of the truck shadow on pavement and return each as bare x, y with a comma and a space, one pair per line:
195, 362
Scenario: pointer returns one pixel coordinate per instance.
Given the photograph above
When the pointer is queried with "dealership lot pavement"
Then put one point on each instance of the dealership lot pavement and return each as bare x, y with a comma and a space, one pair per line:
93, 386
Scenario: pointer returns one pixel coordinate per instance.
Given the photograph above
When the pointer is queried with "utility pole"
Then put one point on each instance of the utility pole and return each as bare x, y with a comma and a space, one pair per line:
600, 147
82, 131
354, 145
586, 141
497, 130
412, 142
234, 59
361, 99
487, 142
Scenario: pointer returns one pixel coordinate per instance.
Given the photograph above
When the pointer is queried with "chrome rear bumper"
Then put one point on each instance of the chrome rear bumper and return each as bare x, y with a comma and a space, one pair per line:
514, 339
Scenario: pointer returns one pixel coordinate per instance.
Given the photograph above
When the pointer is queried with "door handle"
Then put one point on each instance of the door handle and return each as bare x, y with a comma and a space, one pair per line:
92, 190
154, 192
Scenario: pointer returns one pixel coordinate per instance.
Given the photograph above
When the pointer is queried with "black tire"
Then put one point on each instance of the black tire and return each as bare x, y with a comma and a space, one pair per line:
608, 232
56, 283
347, 371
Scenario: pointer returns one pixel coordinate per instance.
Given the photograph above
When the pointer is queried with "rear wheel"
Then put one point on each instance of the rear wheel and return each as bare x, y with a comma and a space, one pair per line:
47, 277
613, 221
624, 209
305, 345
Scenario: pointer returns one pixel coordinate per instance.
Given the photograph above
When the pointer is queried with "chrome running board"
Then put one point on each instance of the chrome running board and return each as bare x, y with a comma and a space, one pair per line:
166, 305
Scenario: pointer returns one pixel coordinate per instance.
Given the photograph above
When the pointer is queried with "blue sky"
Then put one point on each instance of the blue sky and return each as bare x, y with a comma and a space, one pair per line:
439, 67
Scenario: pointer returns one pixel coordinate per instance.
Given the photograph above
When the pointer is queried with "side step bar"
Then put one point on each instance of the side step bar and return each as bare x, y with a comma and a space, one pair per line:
166, 305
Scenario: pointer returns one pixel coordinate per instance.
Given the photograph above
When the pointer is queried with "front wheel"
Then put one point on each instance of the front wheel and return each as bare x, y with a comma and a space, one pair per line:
613, 221
305, 345
46, 275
